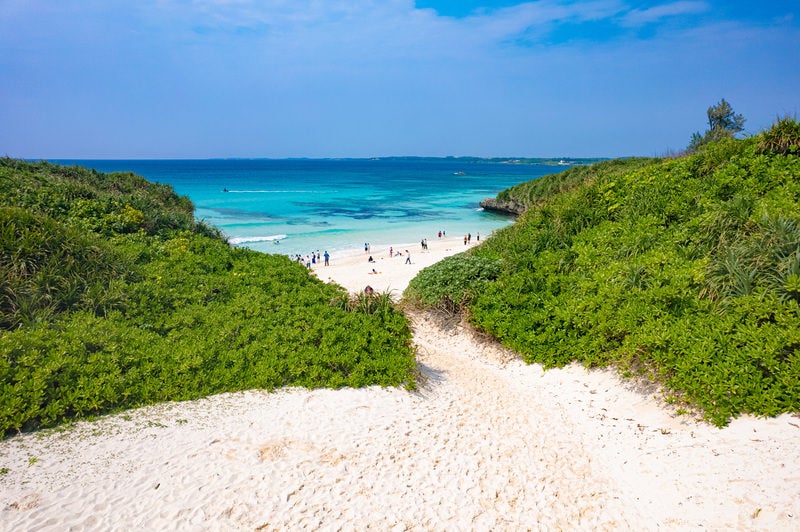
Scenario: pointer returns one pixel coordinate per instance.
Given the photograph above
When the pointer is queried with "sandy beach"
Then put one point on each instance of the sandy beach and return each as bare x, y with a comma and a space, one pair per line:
392, 273
486, 443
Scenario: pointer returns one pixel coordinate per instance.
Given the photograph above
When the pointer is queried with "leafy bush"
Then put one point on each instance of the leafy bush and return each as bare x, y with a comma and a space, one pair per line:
117, 298
103, 203
782, 138
540, 191
47, 268
452, 283
684, 271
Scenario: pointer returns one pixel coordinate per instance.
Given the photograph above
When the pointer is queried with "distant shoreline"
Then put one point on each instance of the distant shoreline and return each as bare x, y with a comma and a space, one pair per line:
552, 161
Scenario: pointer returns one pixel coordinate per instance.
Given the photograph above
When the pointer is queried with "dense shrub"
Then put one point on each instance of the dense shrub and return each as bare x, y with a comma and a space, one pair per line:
685, 271
47, 267
539, 191
452, 283
782, 138
113, 297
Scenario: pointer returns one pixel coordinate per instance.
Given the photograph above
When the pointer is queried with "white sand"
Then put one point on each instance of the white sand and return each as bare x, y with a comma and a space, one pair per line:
487, 443
352, 270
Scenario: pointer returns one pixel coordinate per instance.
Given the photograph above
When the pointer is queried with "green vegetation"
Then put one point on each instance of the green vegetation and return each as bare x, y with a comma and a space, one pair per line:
114, 297
783, 138
723, 123
684, 271
453, 282
539, 191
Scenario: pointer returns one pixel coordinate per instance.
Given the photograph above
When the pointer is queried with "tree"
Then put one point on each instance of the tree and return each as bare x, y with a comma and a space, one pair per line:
722, 123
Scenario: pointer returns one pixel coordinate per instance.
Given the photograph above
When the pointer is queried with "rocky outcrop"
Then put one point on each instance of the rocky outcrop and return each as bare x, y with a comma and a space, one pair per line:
509, 207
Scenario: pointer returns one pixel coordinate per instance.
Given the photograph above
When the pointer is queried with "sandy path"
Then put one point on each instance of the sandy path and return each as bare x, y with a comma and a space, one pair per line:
486, 443
471, 450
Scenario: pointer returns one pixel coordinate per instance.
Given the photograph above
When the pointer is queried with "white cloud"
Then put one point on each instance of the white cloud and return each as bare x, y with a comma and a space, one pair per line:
536, 18
639, 17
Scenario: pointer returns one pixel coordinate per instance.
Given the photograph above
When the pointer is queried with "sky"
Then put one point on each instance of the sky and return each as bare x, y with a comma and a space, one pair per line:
164, 79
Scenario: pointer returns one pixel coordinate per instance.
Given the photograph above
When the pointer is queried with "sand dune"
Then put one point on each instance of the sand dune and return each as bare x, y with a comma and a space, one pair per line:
486, 443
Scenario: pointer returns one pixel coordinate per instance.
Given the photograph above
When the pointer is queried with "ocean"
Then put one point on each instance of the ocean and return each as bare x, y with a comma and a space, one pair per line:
296, 206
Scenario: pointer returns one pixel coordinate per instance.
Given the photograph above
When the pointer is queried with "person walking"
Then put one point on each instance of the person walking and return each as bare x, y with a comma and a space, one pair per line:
408, 257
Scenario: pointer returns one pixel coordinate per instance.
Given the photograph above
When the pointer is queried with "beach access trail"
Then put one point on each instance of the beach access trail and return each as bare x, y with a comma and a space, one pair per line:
486, 443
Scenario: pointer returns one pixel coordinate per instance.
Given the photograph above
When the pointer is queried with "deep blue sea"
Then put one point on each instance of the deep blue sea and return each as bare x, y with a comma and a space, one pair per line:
301, 205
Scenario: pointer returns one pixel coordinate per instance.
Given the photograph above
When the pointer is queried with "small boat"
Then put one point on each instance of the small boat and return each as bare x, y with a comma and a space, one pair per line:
459, 173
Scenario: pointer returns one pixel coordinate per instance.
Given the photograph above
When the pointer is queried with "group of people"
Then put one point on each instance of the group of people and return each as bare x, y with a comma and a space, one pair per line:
313, 259
393, 253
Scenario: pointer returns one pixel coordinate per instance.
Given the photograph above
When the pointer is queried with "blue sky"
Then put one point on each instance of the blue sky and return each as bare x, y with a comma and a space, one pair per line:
364, 78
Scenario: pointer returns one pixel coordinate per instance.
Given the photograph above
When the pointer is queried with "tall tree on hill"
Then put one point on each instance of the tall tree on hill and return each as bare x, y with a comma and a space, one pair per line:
722, 123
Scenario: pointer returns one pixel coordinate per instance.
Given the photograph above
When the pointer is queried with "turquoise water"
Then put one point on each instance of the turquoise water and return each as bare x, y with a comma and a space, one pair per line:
298, 206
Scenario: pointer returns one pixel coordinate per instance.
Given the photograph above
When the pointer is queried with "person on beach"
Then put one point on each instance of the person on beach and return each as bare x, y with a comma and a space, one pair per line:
440, 234
465, 240
366, 247
368, 290
469, 237
391, 251
408, 257
370, 259
327, 258
478, 237
374, 272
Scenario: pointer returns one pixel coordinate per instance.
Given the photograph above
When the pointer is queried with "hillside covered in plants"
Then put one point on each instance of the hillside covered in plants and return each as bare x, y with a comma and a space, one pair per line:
112, 296
685, 271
